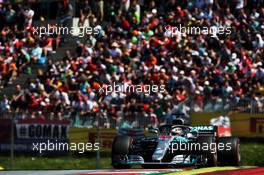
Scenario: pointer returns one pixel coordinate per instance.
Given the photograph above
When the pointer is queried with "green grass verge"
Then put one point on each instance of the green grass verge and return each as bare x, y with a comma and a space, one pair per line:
252, 155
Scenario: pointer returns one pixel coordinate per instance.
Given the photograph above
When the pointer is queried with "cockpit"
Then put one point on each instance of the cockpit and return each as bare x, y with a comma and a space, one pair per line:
173, 130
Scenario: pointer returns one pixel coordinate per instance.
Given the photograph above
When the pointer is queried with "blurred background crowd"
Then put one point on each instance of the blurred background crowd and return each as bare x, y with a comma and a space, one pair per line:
200, 72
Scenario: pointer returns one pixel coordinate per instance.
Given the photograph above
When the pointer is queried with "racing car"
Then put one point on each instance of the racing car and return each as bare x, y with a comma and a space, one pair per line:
174, 146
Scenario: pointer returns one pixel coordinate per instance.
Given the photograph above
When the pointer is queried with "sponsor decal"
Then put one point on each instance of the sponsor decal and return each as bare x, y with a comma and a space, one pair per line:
203, 128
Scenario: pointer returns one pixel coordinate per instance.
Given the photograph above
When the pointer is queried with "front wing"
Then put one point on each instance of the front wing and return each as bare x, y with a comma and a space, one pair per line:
180, 160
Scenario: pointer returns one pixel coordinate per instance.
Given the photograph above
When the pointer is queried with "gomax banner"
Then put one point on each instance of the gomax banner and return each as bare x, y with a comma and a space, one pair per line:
31, 132
42, 129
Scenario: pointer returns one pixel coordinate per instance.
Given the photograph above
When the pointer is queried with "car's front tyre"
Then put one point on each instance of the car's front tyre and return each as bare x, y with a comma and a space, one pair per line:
210, 153
120, 150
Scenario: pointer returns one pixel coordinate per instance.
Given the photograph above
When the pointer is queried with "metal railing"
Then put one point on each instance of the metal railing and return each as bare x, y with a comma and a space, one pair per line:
139, 118
253, 106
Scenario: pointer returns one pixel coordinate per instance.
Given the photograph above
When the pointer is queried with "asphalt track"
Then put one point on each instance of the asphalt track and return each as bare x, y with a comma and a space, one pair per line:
201, 171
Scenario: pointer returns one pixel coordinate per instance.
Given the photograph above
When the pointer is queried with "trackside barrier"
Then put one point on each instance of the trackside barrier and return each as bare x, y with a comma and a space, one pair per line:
242, 124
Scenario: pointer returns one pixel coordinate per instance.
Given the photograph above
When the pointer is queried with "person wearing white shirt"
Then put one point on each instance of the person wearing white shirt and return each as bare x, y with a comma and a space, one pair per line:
29, 14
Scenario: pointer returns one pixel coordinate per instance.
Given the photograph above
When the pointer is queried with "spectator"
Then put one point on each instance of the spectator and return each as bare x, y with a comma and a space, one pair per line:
85, 13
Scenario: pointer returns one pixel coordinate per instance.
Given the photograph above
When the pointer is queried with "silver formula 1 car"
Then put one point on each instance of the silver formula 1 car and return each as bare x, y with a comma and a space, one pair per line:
174, 146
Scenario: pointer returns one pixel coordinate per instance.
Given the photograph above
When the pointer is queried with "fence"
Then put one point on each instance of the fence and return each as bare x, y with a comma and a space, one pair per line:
246, 105
84, 120
103, 119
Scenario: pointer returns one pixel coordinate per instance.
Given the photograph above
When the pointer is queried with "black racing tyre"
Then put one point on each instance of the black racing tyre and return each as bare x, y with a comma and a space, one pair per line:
212, 159
229, 151
210, 153
120, 148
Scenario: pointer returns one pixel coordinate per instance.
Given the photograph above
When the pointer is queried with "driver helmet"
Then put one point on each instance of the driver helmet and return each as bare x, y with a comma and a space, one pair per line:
176, 131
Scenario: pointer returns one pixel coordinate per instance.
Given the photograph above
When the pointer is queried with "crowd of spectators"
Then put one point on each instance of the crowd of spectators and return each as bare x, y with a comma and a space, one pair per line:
20, 45
206, 73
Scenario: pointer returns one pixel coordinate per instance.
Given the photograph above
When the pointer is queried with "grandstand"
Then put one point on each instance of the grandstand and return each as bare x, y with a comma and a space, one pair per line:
207, 74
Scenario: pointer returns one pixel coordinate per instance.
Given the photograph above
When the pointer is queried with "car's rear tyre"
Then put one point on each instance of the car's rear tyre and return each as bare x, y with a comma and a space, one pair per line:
210, 153
230, 155
120, 148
